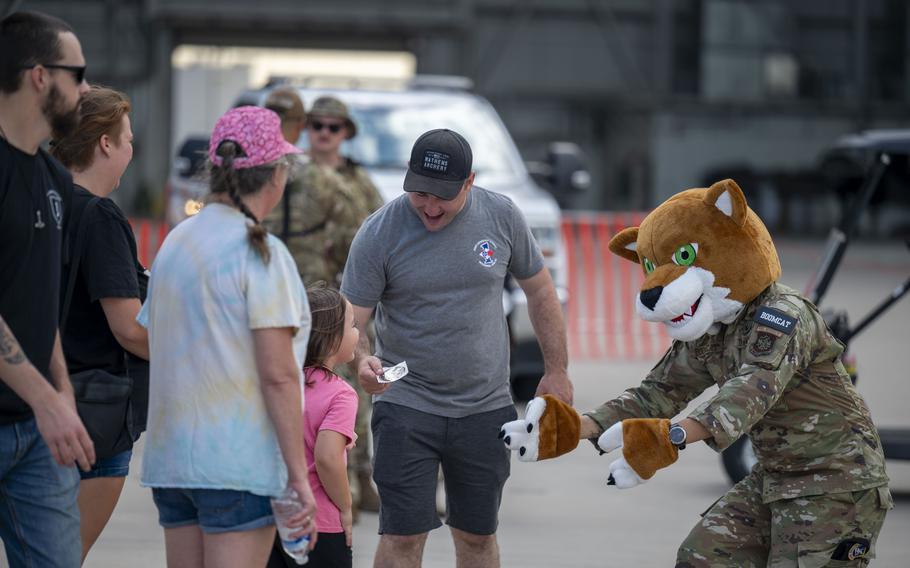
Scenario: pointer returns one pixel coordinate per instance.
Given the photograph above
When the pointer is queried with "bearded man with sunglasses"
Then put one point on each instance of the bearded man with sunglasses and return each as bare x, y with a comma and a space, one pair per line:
42, 78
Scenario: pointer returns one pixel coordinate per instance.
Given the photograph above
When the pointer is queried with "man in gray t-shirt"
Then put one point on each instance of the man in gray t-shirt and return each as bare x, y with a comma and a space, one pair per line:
432, 264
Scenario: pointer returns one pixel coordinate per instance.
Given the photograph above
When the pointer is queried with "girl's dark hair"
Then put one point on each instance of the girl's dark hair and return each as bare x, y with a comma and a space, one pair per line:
27, 39
101, 112
327, 307
237, 183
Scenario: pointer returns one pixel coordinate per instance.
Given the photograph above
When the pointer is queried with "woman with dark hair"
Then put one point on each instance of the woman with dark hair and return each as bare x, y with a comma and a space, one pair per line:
228, 324
99, 329
328, 429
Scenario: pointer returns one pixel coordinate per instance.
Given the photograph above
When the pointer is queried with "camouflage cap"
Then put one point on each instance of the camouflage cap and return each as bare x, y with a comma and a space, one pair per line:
286, 103
334, 108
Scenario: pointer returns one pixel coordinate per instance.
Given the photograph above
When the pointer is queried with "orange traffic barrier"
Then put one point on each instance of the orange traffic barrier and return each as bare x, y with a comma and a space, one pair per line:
601, 318
149, 236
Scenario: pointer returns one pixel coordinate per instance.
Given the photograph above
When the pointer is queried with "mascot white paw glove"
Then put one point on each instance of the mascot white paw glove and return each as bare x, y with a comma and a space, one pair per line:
646, 447
550, 428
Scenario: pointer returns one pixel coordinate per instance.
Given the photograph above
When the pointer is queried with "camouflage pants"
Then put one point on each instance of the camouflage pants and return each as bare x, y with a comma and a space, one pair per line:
359, 466
740, 530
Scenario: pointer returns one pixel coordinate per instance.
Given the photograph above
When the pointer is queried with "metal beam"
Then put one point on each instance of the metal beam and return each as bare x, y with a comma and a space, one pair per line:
622, 54
11, 7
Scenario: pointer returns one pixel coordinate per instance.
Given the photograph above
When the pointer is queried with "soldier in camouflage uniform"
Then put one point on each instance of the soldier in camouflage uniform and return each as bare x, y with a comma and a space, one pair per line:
286, 103
820, 486
330, 198
818, 494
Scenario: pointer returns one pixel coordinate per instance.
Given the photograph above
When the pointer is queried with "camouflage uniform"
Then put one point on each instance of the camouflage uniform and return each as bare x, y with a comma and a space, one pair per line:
326, 207
819, 489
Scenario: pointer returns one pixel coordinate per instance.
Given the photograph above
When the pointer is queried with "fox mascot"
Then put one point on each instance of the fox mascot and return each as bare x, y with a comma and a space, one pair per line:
818, 495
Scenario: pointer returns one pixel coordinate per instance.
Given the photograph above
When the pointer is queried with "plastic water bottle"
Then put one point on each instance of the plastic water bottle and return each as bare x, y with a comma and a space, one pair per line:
284, 507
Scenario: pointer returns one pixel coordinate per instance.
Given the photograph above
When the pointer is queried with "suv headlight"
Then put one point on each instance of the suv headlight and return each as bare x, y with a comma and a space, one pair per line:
547, 239
192, 206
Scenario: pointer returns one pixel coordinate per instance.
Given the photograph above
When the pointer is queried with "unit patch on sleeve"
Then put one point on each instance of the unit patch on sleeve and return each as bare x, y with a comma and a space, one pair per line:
764, 341
775, 319
851, 549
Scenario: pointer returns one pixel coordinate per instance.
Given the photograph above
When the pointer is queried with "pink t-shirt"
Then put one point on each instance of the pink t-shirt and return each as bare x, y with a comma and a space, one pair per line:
331, 404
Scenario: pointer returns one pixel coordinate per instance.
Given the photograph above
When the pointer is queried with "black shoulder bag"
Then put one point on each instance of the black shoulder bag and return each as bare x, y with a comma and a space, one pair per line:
102, 398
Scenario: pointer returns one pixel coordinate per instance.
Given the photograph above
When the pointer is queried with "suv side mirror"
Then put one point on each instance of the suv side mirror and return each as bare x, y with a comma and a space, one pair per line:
569, 167
564, 174
183, 166
541, 173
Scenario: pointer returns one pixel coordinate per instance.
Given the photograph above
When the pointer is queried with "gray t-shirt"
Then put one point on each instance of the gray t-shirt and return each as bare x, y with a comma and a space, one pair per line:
438, 299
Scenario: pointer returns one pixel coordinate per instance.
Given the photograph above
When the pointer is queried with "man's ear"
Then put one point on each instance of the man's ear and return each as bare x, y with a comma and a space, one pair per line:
39, 77
624, 244
468, 183
729, 198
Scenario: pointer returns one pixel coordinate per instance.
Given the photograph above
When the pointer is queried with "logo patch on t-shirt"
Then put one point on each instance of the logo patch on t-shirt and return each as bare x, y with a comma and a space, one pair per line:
436, 161
56, 203
775, 319
487, 250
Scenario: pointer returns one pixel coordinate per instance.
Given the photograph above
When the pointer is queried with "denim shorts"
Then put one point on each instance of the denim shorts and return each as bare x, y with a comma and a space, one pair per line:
114, 466
214, 510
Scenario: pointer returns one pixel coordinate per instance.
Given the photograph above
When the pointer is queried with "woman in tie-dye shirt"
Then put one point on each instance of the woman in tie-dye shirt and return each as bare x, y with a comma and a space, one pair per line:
228, 323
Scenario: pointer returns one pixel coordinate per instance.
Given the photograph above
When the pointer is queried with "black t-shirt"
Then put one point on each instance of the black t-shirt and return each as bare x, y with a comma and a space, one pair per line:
32, 194
108, 268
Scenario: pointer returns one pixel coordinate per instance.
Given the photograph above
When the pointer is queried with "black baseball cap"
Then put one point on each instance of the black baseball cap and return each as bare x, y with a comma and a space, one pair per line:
440, 163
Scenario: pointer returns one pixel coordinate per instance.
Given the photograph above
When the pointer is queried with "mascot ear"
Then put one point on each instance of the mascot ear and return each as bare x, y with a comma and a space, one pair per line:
624, 244
729, 198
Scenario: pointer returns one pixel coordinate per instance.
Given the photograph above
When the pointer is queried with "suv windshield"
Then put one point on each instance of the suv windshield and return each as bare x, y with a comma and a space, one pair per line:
386, 132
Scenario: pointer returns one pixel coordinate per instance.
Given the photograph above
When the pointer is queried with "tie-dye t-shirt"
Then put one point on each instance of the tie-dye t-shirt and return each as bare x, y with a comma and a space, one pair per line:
207, 424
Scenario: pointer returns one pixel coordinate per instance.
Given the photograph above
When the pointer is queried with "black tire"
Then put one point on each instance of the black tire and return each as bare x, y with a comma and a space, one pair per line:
738, 459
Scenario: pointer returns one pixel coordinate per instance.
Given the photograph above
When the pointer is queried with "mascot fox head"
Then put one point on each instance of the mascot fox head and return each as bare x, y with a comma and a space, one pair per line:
705, 255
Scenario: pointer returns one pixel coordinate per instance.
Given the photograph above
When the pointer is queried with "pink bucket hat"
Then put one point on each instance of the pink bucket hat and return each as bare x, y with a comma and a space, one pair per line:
257, 131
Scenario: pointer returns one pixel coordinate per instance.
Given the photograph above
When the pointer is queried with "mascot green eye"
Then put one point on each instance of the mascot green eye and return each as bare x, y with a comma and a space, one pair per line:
649, 266
685, 255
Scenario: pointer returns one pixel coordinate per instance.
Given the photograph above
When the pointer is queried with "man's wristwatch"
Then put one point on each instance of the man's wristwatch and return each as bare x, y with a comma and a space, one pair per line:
678, 436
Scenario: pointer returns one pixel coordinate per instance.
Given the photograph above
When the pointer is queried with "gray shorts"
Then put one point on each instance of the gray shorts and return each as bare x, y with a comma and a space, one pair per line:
409, 446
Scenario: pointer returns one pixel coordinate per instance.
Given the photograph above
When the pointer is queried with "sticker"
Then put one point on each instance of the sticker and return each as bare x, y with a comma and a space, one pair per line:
763, 343
393, 373
775, 319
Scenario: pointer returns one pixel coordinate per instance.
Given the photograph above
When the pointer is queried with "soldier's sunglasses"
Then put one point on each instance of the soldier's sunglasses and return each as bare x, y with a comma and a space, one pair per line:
78, 71
334, 128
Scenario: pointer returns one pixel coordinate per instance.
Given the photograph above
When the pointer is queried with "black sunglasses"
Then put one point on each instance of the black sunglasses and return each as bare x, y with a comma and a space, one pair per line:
78, 71
334, 128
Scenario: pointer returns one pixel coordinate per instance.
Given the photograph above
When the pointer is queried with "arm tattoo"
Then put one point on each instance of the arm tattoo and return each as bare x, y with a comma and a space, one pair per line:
9, 347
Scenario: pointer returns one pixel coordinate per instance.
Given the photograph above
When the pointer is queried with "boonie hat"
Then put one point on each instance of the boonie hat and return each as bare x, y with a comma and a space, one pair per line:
440, 163
334, 108
257, 131
286, 102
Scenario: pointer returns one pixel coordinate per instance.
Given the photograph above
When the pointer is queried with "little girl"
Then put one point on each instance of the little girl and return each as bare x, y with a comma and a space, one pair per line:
331, 409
